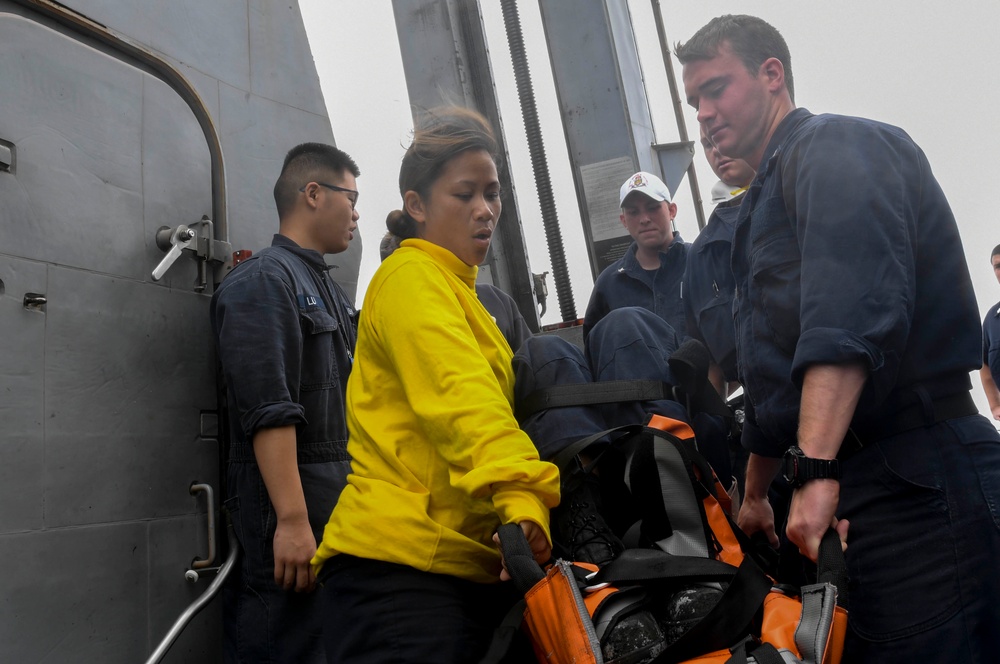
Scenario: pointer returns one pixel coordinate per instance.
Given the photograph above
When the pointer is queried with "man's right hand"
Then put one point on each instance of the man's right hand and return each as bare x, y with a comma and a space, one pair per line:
294, 547
294, 544
757, 516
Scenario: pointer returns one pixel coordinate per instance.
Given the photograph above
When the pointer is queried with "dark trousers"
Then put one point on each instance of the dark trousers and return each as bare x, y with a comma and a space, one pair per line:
630, 343
924, 545
376, 612
262, 622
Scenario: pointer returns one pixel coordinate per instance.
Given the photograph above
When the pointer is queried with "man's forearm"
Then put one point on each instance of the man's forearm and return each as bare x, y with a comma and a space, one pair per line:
830, 394
990, 387
761, 471
274, 450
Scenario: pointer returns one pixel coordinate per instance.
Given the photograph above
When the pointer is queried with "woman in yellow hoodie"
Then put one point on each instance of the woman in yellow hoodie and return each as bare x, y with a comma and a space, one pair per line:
408, 568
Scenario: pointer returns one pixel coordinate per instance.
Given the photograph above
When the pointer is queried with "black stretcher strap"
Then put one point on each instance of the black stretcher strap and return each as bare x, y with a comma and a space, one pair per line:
590, 394
729, 618
763, 653
518, 559
831, 566
634, 565
689, 365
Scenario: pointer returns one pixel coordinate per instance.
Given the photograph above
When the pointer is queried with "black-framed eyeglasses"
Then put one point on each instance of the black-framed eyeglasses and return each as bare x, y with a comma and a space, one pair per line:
354, 201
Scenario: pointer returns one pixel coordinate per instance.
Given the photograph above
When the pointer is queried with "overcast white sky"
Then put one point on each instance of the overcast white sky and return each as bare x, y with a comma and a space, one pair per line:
930, 68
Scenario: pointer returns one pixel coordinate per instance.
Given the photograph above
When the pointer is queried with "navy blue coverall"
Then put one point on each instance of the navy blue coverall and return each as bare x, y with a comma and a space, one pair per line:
286, 333
625, 283
846, 251
991, 341
709, 288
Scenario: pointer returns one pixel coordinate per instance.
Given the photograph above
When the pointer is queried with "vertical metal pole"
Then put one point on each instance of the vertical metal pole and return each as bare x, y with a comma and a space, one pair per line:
678, 111
539, 165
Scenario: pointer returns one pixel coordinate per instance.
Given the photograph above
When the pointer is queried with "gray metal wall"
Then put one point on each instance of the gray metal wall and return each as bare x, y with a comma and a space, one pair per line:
609, 131
104, 387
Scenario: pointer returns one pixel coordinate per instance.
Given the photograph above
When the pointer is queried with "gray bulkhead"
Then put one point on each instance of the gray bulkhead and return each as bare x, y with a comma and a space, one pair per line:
107, 377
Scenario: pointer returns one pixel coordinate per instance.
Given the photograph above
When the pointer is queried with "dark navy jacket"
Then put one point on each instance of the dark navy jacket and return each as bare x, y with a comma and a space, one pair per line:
991, 341
505, 314
709, 287
625, 283
846, 250
286, 334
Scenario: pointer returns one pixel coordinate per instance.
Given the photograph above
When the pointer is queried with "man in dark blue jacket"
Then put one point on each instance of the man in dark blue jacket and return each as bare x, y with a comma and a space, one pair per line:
709, 285
857, 328
650, 273
990, 372
285, 333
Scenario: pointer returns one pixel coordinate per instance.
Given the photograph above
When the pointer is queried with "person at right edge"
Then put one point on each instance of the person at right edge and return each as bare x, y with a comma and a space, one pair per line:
857, 329
990, 372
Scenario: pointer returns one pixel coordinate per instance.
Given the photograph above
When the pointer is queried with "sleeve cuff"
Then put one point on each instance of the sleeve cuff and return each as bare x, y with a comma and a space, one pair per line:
754, 441
514, 506
827, 345
271, 415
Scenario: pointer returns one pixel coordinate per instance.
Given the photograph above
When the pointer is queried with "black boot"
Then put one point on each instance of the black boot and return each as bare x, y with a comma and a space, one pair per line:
579, 531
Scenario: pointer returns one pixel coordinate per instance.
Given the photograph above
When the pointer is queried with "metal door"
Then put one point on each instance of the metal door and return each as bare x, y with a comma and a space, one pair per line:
104, 374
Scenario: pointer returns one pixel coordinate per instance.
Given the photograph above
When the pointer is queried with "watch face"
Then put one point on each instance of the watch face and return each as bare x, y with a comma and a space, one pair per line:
798, 468
793, 459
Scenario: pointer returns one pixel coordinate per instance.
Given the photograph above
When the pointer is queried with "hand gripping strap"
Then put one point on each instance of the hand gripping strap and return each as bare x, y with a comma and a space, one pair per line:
831, 567
553, 608
518, 559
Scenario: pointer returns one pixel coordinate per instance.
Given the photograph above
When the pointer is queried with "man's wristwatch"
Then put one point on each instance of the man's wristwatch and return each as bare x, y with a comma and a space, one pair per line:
799, 469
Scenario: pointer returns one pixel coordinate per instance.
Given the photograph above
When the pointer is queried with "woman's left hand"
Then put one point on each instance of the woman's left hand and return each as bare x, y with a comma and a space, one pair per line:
537, 540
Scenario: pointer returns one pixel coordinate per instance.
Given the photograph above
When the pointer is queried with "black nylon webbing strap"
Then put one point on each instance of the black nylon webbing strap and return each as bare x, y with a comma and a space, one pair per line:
589, 394
728, 619
566, 455
518, 559
503, 635
831, 567
634, 565
763, 653
689, 364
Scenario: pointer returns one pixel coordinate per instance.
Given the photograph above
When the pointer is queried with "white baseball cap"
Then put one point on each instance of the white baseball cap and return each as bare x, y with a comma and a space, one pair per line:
722, 192
646, 183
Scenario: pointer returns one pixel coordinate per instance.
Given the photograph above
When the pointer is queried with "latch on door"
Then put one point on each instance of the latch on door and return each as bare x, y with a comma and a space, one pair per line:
198, 238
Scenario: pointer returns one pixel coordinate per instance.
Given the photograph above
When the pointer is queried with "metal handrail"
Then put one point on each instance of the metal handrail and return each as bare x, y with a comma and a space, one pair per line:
202, 600
203, 563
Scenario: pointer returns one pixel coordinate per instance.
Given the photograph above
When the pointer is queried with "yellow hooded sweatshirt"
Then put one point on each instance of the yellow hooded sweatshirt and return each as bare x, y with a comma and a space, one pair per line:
438, 461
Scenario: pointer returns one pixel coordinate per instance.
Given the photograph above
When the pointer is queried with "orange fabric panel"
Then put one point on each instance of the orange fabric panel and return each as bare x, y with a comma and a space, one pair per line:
680, 429
556, 626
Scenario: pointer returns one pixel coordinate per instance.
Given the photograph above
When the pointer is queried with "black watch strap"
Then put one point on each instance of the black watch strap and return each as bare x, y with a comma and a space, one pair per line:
799, 469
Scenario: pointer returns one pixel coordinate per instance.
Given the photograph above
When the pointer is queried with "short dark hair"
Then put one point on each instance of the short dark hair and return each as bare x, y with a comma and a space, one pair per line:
304, 163
996, 252
440, 135
752, 40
